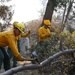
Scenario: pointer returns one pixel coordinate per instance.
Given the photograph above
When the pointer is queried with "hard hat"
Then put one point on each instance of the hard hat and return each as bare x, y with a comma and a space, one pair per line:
14, 23
47, 22
20, 26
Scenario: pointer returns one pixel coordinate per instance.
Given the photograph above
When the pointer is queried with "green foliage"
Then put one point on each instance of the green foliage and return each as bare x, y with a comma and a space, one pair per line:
3, 11
52, 46
6, 12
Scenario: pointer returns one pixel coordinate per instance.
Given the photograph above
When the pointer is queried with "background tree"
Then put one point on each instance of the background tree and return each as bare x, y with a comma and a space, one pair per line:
69, 8
6, 13
51, 7
49, 10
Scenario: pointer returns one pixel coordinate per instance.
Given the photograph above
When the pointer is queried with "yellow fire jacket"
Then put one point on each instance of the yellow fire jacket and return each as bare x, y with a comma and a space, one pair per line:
8, 38
43, 33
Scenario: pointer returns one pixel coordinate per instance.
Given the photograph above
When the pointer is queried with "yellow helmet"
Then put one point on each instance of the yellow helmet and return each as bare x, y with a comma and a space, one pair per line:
47, 22
14, 23
20, 26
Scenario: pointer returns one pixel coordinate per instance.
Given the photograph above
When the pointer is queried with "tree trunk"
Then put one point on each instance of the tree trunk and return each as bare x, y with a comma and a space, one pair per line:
64, 14
69, 9
49, 10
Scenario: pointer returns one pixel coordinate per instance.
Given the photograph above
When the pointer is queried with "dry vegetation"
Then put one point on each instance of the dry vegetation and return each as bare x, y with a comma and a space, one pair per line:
33, 27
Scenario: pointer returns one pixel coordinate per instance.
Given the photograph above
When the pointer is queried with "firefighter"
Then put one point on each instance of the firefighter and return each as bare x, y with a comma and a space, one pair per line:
43, 34
18, 44
44, 31
10, 38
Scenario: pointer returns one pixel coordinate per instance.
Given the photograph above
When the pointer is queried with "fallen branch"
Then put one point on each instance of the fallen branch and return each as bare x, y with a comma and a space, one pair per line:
36, 66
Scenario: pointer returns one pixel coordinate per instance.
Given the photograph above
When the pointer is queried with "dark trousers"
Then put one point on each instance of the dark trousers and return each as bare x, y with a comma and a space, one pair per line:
11, 54
4, 58
40, 52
